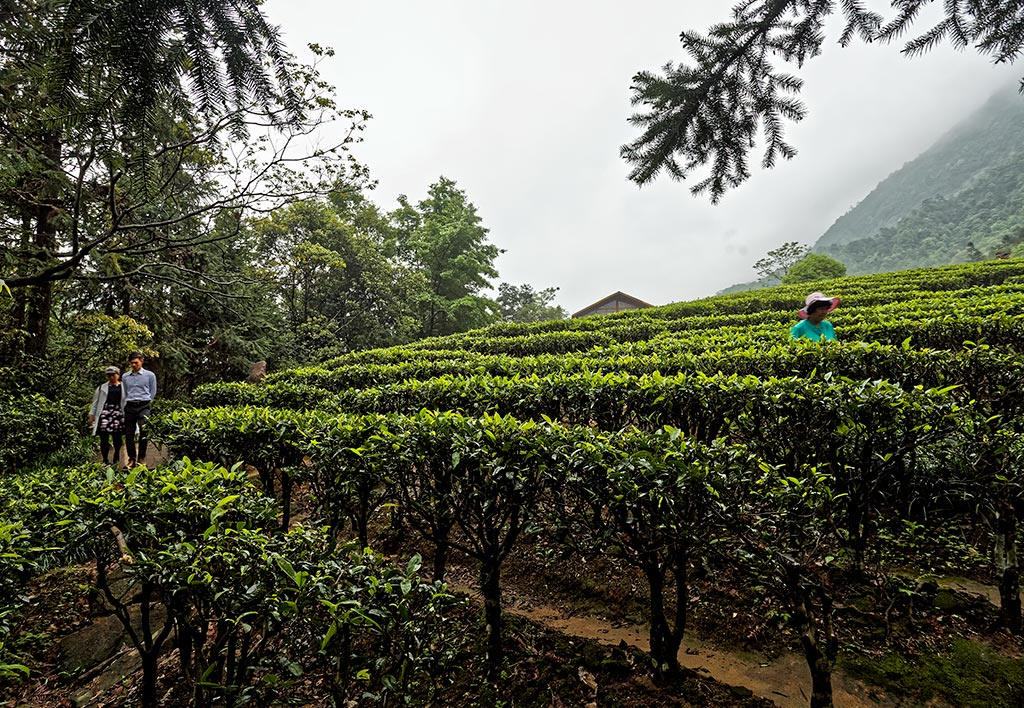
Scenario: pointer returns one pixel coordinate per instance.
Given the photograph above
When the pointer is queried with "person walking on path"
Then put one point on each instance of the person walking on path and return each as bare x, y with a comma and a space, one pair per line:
812, 324
106, 414
140, 390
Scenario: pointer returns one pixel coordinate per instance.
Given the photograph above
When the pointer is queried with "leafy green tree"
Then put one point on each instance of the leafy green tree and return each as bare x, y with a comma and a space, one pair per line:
342, 286
442, 238
87, 342
782, 528
495, 491
653, 501
130, 131
776, 264
80, 80
813, 266
521, 303
309, 266
710, 113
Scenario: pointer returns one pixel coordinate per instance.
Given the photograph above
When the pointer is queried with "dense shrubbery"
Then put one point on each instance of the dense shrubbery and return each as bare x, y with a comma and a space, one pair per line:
249, 609
34, 428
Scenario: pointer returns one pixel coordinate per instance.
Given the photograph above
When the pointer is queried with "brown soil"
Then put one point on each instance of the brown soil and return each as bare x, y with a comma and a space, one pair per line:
155, 454
783, 679
80, 659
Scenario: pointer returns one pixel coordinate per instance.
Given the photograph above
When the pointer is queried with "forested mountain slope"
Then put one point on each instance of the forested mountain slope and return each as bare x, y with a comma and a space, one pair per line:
989, 139
960, 200
986, 215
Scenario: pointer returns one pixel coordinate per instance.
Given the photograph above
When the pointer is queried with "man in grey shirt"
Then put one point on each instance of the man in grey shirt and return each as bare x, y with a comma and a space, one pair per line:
139, 391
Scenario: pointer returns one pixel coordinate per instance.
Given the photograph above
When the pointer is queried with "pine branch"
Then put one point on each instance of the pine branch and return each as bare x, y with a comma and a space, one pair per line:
731, 97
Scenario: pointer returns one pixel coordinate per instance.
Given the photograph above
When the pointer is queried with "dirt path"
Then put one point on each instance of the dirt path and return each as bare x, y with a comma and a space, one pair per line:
155, 454
784, 680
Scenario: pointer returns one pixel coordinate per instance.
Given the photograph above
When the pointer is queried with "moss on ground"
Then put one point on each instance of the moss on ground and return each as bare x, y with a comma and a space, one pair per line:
969, 674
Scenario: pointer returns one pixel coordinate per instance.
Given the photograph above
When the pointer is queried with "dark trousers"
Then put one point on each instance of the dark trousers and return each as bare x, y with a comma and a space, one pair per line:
136, 413
104, 446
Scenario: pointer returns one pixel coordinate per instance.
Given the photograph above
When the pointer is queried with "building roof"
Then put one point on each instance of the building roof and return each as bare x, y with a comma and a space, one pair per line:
635, 302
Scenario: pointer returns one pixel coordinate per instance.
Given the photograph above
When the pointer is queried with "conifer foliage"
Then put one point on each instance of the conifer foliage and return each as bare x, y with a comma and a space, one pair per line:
710, 113
228, 53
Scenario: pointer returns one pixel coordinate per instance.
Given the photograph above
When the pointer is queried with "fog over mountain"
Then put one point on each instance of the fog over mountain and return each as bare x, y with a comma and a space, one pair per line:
962, 199
984, 140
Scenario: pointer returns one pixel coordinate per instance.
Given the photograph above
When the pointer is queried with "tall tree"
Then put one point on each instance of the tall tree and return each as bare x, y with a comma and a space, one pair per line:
130, 128
333, 262
710, 113
774, 266
521, 303
442, 237
813, 266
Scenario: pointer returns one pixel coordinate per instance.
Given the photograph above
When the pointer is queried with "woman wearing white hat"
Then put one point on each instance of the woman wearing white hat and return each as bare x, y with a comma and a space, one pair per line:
812, 324
106, 415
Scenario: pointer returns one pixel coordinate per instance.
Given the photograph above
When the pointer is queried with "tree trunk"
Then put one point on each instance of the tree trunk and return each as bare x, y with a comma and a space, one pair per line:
362, 515
1009, 571
21, 297
682, 600
440, 559
490, 586
39, 299
858, 541
286, 499
266, 474
39, 303
149, 674
818, 660
821, 683
664, 650
149, 650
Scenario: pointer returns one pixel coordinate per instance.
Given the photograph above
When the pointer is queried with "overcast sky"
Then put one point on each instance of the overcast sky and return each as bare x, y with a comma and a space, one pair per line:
524, 104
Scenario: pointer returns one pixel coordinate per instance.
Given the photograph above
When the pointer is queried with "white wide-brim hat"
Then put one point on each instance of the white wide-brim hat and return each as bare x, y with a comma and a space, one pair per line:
818, 297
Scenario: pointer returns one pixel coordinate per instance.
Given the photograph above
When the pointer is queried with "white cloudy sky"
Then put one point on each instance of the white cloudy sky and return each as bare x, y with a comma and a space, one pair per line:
524, 104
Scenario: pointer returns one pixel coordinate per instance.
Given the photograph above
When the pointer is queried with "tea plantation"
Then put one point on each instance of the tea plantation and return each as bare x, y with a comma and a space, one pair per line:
821, 491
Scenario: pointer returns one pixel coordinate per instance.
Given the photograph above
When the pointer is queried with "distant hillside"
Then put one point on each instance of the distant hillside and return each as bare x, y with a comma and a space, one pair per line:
958, 201
746, 287
986, 214
988, 139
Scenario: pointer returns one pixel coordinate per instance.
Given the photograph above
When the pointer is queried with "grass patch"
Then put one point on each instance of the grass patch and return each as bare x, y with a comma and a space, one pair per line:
969, 674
